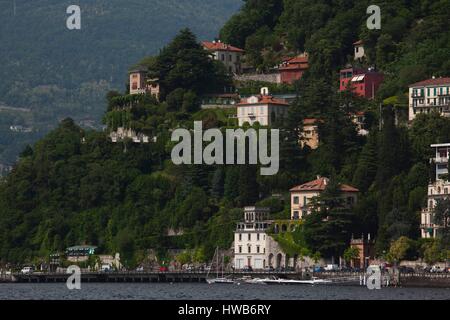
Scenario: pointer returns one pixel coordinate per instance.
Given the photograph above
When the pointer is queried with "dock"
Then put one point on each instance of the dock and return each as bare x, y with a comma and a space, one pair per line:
338, 278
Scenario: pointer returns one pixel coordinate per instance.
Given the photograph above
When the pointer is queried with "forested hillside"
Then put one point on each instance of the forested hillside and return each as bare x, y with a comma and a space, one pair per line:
75, 186
59, 73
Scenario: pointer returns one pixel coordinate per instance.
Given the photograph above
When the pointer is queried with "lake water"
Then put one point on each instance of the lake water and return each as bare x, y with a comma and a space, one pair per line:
184, 291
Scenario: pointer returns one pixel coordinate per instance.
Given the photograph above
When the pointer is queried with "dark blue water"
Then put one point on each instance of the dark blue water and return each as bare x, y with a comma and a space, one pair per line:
167, 291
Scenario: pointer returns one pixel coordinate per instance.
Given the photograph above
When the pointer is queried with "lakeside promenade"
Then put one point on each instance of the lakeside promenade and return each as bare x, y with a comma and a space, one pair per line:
338, 278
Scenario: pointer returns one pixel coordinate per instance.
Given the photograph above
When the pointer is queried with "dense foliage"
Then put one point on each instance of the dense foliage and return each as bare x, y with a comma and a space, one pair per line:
75, 186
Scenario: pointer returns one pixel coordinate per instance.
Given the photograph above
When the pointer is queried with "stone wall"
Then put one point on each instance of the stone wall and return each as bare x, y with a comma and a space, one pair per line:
271, 77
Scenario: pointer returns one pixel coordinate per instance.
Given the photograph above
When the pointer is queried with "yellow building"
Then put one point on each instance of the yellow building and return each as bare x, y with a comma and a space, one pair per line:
302, 196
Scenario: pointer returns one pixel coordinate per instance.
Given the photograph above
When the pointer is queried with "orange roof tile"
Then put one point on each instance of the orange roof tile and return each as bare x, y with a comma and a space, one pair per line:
265, 100
219, 46
320, 185
431, 82
310, 121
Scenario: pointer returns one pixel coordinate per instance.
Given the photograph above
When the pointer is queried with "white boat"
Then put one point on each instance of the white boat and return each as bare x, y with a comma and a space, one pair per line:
313, 281
218, 280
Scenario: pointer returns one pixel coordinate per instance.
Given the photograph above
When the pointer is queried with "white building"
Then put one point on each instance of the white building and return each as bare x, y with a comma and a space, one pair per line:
360, 53
230, 56
123, 133
263, 108
436, 191
254, 247
429, 95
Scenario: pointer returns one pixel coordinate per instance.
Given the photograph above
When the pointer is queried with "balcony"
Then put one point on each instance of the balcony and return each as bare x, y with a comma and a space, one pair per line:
441, 159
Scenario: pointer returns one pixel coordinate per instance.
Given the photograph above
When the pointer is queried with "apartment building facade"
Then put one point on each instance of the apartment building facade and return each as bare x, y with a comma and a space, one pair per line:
438, 190
432, 95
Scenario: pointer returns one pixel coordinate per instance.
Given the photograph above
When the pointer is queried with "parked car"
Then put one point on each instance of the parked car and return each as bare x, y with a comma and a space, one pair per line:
105, 267
332, 267
436, 269
269, 269
318, 269
27, 270
140, 269
247, 269
189, 269
404, 269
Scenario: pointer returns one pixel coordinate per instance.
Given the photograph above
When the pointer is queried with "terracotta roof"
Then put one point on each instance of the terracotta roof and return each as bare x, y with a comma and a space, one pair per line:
219, 46
359, 42
431, 82
265, 100
299, 59
320, 185
310, 121
295, 67
299, 62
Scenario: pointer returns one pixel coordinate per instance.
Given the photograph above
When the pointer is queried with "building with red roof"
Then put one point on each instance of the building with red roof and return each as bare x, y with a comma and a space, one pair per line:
292, 69
263, 108
364, 83
302, 196
229, 55
428, 96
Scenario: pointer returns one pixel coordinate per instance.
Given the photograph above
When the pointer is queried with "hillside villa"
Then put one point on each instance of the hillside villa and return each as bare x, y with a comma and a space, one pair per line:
364, 83
429, 95
140, 83
230, 56
302, 196
263, 108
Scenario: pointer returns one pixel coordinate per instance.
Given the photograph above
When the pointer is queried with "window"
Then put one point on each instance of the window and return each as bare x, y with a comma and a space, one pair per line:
249, 237
257, 249
222, 57
240, 236
296, 200
249, 249
134, 86
296, 215
257, 236
240, 249
305, 201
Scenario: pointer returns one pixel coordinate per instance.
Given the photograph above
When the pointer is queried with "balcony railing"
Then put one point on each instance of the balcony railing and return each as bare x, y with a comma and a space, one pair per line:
441, 159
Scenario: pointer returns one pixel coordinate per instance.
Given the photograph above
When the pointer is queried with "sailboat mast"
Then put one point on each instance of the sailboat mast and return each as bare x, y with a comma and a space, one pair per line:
217, 272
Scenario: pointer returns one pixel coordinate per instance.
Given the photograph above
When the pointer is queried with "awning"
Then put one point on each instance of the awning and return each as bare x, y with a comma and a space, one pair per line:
358, 78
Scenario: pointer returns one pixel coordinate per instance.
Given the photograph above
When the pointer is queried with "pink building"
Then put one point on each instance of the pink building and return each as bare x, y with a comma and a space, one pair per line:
364, 83
141, 84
